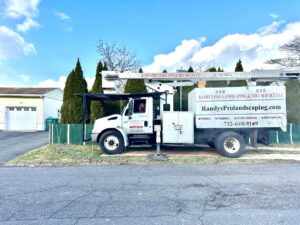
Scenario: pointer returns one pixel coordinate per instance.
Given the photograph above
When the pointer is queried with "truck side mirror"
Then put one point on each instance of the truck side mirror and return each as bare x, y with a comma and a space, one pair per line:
166, 107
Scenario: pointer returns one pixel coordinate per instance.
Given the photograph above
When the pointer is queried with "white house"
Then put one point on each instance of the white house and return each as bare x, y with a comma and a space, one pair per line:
26, 109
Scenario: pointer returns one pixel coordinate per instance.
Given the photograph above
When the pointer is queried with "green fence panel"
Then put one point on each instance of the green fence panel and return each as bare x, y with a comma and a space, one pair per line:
284, 137
273, 137
59, 133
296, 133
76, 134
89, 128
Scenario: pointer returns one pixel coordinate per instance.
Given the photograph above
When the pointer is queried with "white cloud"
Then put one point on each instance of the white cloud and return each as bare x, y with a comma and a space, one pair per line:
21, 8
273, 15
13, 45
25, 78
62, 16
61, 82
66, 21
272, 28
54, 83
27, 25
254, 49
182, 54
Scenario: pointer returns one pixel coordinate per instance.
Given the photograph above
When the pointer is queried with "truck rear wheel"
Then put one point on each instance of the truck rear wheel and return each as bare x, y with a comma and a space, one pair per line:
230, 144
111, 142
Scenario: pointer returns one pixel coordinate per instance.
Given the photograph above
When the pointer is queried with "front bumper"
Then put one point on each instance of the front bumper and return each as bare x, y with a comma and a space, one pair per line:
94, 137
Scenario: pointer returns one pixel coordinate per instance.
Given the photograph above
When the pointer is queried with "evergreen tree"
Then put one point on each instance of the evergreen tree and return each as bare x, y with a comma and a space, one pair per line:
97, 107
220, 83
165, 71
79, 87
105, 68
71, 110
66, 108
219, 69
239, 66
292, 97
211, 69
238, 83
190, 69
135, 85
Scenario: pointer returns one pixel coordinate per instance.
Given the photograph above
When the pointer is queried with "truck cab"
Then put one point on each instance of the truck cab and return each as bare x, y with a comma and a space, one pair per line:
137, 116
133, 127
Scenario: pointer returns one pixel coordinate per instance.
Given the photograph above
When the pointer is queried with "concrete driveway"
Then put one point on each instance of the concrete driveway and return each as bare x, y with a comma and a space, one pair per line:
13, 144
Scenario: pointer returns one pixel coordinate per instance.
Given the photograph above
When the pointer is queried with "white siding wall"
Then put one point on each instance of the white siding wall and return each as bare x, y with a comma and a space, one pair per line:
52, 103
51, 106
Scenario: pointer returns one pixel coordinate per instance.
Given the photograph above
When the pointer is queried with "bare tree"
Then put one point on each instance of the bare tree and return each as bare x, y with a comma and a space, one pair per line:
118, 57
292, 50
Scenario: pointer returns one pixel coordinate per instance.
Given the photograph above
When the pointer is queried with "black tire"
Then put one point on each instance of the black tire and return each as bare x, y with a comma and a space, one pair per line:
230, 144
111, 142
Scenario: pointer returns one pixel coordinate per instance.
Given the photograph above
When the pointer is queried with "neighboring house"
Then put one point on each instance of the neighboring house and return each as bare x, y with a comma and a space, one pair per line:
26, 109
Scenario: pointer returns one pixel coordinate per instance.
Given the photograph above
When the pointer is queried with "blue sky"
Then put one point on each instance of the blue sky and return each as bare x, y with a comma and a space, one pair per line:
41, 40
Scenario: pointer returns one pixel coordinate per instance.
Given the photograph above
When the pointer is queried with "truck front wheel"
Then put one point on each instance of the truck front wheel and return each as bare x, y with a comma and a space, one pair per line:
230, 144
111, 142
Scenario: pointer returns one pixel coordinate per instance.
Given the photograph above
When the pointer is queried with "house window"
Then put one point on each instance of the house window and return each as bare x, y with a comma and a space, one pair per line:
33, 109
11, 108
19, 109
26, 108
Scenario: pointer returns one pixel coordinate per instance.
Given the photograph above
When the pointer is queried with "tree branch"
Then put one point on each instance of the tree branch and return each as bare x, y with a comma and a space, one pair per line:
117, 57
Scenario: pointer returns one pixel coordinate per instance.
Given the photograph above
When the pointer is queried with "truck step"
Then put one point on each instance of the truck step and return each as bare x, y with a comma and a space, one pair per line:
139, 137
139, 146
139, 140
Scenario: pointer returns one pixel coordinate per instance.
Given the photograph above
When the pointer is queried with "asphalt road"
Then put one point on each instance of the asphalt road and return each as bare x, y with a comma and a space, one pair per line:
13, 144
151, 194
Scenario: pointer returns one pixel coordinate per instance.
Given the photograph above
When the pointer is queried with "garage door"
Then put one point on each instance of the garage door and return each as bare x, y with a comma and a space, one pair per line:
21, 118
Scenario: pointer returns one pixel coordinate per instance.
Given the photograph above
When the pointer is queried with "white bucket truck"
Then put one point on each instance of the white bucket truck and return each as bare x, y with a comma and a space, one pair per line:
219, 117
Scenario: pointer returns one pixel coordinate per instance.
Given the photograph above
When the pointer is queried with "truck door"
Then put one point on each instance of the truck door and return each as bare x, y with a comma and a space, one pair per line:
138, 117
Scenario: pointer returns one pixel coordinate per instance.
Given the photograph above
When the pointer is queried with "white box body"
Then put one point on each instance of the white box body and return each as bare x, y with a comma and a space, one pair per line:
178, 127
239, 107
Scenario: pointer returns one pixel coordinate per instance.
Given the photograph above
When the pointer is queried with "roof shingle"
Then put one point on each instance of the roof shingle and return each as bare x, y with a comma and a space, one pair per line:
24, 91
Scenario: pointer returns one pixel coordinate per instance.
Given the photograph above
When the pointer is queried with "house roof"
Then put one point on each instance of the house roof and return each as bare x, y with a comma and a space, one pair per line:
24, 91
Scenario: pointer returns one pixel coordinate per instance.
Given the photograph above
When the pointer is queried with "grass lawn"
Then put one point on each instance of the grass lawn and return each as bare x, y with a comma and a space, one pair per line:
59, 155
